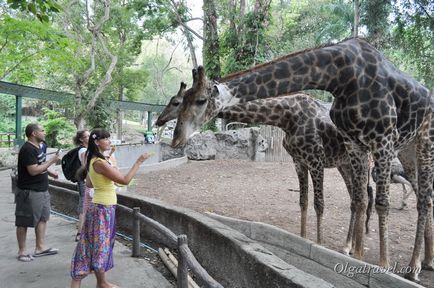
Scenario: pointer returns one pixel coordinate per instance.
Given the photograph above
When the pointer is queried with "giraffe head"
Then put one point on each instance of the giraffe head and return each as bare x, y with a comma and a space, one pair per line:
202, 102
171, 110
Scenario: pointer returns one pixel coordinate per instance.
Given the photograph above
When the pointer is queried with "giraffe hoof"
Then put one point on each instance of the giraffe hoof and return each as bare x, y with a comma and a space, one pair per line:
428, 265
347, 250
412, 277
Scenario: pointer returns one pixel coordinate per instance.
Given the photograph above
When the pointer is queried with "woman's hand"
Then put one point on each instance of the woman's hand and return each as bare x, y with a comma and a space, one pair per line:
143, 157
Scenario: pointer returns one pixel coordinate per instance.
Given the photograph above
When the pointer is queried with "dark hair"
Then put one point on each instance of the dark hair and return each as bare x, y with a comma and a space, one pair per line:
77, 138
92, 148
30, 128
92, 151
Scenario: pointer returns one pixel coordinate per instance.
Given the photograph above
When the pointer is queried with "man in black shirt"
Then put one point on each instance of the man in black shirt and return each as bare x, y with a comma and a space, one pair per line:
32, 197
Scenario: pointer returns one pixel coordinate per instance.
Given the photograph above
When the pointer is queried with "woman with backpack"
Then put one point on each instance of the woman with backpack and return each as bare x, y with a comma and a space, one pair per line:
94, 251
80, 140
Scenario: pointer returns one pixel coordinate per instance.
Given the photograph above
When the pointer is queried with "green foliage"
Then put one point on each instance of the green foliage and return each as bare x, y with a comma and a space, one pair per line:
374, 16
242, 50
42, 9
102, 115
159, 16
162, 83
28, 47
412, 48
58, 130
210, 125
7, 117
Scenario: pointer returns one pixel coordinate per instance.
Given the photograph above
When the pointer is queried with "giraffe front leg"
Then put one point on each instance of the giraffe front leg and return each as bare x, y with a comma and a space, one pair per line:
345, 171
302, 174
425, 171
382, 208
427, 263
317, 175
359, 169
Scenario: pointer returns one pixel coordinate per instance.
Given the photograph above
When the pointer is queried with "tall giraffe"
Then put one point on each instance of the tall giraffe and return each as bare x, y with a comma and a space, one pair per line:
376, 106
314, 144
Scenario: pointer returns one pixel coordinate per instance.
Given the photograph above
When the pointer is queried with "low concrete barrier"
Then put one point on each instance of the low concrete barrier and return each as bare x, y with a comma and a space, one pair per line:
230, 257
275, 239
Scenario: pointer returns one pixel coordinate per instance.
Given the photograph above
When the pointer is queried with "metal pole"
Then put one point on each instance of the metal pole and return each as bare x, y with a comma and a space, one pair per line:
149, 121
18, 108
136, 232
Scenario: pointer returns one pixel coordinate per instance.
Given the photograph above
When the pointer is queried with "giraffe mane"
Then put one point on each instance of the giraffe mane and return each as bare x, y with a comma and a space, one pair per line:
254, 68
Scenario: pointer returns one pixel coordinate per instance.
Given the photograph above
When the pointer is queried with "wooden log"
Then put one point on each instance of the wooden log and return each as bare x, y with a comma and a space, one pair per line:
169, 264
194, 265
172, 258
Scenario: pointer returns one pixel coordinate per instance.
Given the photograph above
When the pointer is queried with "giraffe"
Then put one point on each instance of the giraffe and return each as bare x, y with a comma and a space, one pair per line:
171, 110
376, 107
314, 144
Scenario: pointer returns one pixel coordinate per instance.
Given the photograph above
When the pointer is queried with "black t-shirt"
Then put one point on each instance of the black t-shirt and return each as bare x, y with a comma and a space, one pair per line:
30, 155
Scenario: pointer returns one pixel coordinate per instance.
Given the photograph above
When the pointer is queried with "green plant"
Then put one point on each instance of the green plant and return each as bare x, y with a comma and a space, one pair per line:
58, 130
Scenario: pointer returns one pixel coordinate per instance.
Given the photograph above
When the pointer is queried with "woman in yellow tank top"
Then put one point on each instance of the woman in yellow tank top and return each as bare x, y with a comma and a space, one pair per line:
94, 251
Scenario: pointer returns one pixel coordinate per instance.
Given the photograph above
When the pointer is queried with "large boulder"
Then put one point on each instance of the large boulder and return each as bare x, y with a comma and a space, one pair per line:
242, 143
202, 146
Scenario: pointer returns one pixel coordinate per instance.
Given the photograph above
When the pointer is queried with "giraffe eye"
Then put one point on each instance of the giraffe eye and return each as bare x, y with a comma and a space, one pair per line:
176, 104
200, 102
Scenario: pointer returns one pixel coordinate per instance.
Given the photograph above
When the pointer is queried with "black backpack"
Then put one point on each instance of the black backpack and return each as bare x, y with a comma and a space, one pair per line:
70, 164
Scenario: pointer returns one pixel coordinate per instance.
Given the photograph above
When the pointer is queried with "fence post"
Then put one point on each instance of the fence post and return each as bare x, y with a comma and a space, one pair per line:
14, 177
136, 232
182, 263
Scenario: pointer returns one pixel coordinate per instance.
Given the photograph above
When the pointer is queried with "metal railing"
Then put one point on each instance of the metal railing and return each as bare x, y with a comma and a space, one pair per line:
186, 257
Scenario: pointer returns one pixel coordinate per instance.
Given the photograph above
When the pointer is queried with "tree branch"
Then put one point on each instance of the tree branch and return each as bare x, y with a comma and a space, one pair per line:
424, 10
8, 71
179, 20
5, 43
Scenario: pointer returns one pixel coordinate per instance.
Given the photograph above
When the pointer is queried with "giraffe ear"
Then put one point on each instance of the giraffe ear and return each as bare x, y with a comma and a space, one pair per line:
215, 90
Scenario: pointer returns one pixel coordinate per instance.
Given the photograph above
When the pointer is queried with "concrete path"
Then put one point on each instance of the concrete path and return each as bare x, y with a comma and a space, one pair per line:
53, 271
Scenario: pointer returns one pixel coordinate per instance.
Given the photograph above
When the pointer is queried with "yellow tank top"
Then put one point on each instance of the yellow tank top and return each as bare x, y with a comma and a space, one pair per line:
104, 187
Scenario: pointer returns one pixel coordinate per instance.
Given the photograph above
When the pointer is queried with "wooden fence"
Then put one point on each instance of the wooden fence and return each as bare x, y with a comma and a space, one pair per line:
8, 138
274, 136
186, 257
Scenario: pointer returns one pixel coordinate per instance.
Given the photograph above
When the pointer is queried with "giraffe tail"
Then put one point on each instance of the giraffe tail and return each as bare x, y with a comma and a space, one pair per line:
369, 208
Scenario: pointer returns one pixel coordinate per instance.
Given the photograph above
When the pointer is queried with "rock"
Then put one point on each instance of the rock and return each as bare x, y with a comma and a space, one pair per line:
202, 146
167, 152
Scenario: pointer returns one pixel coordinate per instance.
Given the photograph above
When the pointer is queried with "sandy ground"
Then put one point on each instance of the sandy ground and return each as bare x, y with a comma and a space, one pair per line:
268, 192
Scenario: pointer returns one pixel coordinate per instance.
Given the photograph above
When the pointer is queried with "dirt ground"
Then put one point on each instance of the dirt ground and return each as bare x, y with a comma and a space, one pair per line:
268, 192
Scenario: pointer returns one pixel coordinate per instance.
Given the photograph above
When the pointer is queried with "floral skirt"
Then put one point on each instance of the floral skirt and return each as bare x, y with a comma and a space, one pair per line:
94, 251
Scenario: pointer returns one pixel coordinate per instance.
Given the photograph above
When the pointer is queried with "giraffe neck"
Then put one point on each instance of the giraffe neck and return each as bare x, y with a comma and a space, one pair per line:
283, 112
328, 68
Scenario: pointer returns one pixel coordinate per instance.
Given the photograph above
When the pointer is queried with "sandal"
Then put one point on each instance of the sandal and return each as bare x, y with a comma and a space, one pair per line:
25, 258
47, 252
77, 237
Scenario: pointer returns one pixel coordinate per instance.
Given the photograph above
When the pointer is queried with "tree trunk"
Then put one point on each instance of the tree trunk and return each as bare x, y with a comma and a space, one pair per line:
211, 57
211, 41
356, 19
120, 114
189, 38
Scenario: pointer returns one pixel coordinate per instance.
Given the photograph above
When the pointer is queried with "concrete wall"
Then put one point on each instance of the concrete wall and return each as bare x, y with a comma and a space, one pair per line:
126, 155
278, 241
